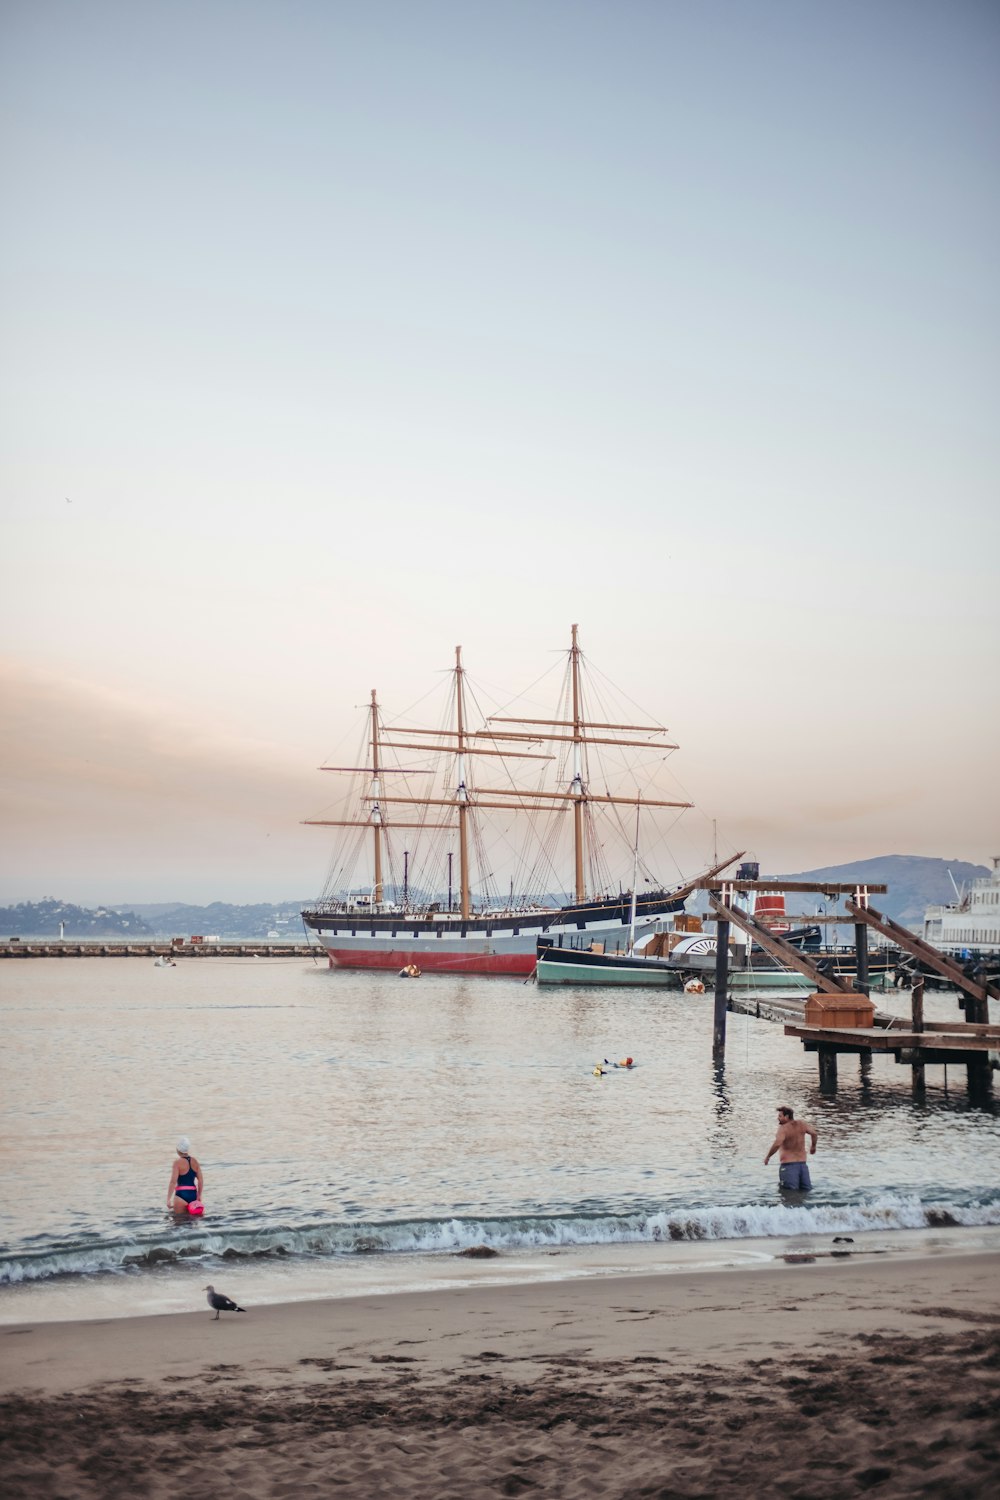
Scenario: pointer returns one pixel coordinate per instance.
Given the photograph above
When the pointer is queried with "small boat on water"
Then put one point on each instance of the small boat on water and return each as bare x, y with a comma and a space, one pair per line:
581, 966
682, 950
841, 961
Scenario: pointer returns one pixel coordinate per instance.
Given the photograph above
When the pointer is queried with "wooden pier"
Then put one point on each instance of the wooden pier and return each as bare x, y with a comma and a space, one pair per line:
726, 915
974, 1042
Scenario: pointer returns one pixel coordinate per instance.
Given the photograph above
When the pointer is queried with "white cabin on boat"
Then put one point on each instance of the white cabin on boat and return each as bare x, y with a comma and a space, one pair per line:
972, 924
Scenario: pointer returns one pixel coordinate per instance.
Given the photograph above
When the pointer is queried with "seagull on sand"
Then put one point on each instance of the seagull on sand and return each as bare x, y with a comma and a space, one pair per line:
220, 1303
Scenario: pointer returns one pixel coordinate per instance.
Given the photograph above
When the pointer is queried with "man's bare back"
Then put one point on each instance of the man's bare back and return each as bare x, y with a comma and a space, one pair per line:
790, 1143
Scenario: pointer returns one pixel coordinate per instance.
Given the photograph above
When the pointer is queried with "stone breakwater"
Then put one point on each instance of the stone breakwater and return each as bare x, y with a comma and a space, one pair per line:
110, 948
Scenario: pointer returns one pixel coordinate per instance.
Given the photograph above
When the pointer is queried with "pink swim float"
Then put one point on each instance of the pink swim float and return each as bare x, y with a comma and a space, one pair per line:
196, 1208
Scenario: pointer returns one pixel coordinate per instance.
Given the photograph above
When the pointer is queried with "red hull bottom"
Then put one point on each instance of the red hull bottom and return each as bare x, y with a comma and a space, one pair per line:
435, 963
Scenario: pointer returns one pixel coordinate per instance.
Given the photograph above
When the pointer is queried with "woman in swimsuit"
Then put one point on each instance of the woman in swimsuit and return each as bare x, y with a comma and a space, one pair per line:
187, 1185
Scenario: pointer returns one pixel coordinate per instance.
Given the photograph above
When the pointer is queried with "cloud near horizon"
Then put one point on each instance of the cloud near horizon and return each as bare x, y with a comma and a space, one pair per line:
100, 790
116, 797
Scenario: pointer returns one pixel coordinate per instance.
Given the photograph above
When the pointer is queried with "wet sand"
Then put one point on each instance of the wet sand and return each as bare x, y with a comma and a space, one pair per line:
836, 1376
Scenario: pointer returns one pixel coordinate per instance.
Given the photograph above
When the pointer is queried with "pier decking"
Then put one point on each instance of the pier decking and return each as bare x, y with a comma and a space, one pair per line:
946, 1042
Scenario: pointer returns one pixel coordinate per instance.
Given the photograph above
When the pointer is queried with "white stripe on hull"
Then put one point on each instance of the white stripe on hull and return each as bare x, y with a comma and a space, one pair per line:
611, 934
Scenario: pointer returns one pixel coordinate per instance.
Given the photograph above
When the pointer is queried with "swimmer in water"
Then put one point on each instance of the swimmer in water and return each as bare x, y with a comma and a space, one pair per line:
187, 1185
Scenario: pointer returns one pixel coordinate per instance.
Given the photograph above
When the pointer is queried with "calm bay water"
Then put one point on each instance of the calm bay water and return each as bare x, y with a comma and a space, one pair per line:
354, 1128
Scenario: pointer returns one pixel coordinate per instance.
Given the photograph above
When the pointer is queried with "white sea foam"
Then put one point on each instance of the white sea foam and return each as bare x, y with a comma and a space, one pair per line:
453, 1235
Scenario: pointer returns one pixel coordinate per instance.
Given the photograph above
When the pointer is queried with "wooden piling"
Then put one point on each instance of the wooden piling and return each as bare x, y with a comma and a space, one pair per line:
919, 1078
979, 1069
827, 1068
861, 953
917, 1004
721, 991
979, 1072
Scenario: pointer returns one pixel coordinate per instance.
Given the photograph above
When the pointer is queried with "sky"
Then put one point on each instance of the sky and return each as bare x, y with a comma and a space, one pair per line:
335, 334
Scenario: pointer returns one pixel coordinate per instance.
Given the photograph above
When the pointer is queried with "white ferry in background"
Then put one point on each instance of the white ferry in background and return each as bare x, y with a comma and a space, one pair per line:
971, 925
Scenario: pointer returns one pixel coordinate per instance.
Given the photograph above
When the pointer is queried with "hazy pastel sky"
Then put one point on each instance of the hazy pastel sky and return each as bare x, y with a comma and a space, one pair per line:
335, 334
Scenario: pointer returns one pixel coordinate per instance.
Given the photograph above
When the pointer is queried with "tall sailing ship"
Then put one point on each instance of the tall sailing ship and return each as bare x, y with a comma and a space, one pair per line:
398, 812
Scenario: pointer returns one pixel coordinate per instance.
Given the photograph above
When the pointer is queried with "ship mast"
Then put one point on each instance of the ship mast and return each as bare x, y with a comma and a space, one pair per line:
461, 794
576, 786
581, 735
376, 811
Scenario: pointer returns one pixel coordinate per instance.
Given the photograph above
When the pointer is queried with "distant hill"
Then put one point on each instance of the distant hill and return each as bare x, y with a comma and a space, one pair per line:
43, 919
225, 920
915, 882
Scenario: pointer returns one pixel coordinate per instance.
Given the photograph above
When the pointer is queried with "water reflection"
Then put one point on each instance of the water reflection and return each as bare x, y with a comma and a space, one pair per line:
722, 1101
335, 1096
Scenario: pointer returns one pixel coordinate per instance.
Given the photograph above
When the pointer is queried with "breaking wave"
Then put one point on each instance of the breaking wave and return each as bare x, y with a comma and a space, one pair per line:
132, 1255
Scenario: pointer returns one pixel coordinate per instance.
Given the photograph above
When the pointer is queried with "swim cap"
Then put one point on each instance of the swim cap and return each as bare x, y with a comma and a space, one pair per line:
183, 1145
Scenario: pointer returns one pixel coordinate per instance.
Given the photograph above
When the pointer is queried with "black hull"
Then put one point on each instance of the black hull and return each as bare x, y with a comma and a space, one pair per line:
842, 962
577, 917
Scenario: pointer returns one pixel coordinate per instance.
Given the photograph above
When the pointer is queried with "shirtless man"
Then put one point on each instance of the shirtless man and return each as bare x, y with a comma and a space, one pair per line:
790, 1143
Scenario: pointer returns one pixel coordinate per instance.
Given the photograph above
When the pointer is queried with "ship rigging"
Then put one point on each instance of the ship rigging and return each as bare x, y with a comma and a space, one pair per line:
395, 803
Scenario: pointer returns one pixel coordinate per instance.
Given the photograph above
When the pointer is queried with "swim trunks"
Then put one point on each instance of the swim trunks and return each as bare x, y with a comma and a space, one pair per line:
794, 1175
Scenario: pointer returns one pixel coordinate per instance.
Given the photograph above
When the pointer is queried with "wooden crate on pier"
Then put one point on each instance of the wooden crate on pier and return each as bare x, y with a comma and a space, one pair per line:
835, 1012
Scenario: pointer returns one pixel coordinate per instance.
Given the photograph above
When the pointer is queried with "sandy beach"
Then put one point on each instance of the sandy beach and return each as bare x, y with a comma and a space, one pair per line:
836, 1376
